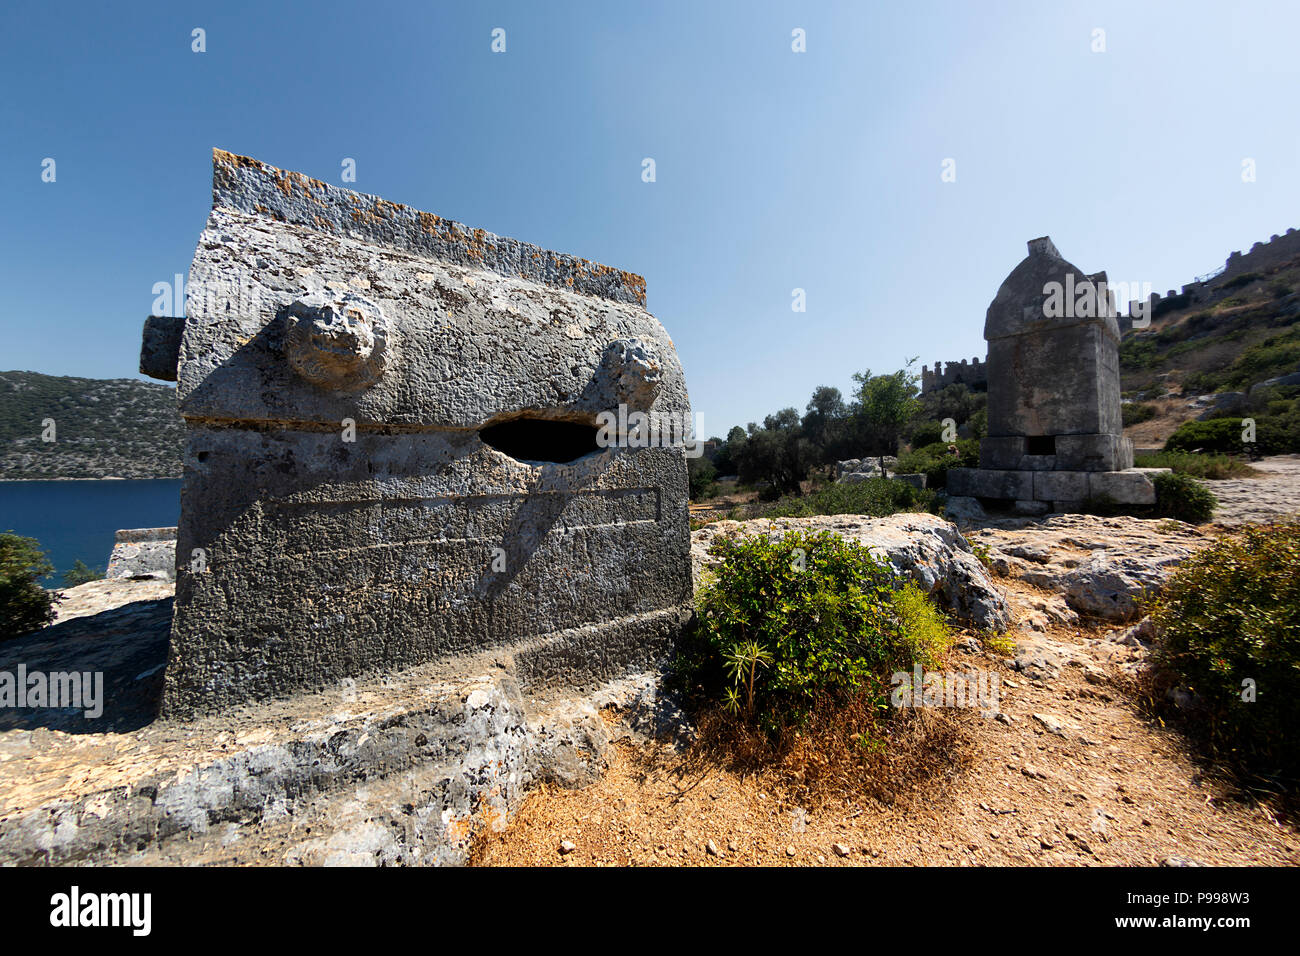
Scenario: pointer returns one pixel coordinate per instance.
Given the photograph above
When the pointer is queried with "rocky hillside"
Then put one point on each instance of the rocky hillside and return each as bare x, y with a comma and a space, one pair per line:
1230, 344
1243, 331
101, 428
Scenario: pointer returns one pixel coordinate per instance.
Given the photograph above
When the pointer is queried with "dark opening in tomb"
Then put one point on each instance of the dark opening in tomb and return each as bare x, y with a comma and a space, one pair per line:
1040, 445
542, 439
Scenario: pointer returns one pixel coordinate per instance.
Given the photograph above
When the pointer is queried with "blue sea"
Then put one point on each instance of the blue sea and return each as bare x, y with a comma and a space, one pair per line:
77, 519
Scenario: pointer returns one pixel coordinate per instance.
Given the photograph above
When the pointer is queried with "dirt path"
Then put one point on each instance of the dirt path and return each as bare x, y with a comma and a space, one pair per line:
1274, 494
1100, 785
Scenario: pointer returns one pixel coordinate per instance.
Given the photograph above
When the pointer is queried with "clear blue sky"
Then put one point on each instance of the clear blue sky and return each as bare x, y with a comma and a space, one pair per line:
775, 169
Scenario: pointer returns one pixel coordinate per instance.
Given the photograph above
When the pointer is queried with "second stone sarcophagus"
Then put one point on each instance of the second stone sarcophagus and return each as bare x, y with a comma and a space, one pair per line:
395, 450
1055, 436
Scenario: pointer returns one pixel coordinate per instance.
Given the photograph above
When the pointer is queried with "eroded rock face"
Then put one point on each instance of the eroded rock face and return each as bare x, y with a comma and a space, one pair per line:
404, 772
1100, 566
402, 768
143, 553
925, 547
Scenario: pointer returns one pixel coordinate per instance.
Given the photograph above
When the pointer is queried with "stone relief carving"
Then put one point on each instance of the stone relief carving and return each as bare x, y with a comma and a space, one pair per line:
340, 344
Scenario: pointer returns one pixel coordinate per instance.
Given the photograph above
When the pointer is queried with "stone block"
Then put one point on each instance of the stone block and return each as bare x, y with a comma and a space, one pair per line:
1093, 452
1130, 487
143, 553
1060, 485
160, 346
1037, 463
987, 483
1004, 452
1052, 380
915, 480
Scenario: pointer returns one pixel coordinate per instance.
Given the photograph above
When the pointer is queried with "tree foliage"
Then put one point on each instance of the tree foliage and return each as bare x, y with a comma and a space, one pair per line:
25, 606
780, 453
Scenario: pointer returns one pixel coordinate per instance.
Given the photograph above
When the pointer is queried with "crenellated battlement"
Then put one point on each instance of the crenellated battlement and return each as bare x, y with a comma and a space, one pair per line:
1262, 258
974, 374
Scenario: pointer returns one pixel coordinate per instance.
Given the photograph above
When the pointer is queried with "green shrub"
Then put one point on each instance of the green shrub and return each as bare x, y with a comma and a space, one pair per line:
1221, 435
1138, 353
927, 433
1213, 467
81, 573
876, 497
935, 459
1278, 433
1183, 497
788, 622
1229, 615
1246, 278
25, 606
1276, 355
1203, 383
922, 626
702, 478
1134, 412
1275, 434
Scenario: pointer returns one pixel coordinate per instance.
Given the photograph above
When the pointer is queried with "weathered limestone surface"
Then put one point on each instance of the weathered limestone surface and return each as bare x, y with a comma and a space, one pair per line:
143, 553
397, 769
1273, 496
923, 546
1100, 566
108, 594
113, 627
310, 553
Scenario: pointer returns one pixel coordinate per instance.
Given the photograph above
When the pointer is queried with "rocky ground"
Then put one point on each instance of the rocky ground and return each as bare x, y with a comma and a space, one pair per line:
1069, 773
1274, 494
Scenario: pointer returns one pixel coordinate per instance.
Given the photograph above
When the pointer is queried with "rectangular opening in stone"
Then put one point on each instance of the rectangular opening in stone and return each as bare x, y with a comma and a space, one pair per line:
1040, 445
540, 439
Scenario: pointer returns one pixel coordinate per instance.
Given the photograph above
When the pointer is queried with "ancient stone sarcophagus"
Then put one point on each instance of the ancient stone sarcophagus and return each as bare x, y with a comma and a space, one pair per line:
399, 450
1053, 369
1055, 436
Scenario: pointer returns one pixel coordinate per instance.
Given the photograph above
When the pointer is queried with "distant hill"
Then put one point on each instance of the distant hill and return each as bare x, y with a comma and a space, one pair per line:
1239, 333
103, 428
1227, 333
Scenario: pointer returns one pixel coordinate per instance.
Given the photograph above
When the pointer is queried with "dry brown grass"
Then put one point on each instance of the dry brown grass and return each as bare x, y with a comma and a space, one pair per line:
846, 751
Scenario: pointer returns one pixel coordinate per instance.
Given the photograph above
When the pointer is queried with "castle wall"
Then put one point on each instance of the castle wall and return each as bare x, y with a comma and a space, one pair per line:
1263, 257
974, 374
